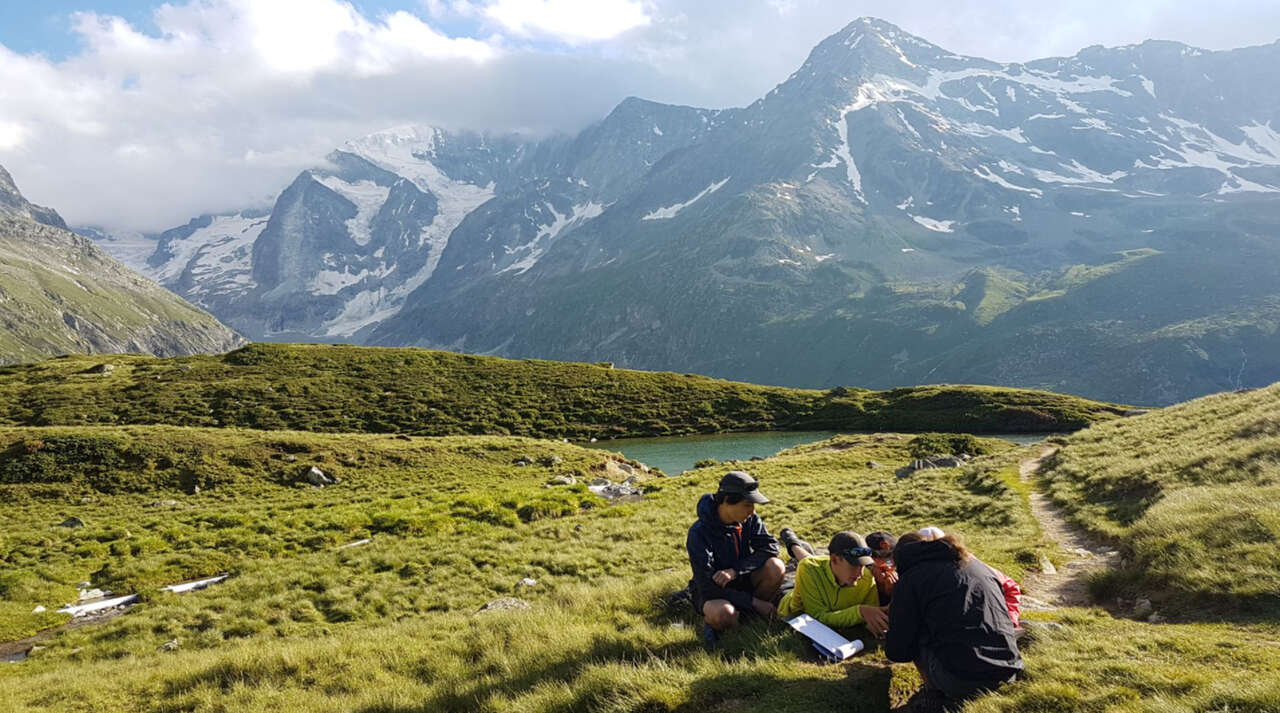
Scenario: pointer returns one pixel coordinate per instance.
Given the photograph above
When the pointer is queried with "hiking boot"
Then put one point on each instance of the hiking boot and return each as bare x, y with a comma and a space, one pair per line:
710, 637
788, 538
928, 700
679, 601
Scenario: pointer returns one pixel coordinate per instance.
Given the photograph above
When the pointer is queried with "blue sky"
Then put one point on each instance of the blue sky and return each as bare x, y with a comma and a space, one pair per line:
140, 115
45, 26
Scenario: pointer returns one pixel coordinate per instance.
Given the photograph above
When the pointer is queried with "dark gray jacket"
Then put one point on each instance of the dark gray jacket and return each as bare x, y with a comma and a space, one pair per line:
957, 612
714, 546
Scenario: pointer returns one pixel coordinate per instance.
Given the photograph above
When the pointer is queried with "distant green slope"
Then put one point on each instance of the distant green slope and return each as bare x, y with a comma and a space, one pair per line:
60, 294
343, 389
1190, 494
1198, 315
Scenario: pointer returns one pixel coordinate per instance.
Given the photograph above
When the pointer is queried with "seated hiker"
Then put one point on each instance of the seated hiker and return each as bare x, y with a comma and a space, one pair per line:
837, 589
948, 617
883, 570
735, 562
1012, 592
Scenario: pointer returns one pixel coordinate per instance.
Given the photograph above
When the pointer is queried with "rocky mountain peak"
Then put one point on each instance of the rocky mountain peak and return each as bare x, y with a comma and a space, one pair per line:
13, 202
7, 186
868, 46
419, 138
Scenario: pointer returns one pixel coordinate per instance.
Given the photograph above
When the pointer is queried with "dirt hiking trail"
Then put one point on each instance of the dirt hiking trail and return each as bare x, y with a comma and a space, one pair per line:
1068, 585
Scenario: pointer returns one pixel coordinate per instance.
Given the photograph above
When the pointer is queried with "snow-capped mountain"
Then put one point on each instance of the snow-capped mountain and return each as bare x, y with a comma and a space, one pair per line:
886, 195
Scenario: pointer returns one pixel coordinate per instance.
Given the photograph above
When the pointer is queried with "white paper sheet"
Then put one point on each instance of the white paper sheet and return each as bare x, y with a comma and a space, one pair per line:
830, 644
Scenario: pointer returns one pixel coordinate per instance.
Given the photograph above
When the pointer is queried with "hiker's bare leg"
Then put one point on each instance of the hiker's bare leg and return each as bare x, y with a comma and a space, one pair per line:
798, 553
720, 614
767, 580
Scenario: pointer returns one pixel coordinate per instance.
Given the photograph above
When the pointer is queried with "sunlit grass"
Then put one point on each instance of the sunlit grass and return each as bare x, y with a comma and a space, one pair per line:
1191, 496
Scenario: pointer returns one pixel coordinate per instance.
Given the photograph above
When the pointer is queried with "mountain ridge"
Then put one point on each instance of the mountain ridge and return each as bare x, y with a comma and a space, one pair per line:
856, 195
60, 293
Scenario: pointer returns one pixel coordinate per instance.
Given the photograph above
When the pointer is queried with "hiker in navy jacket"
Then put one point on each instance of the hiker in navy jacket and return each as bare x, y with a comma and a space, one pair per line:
948, 616
734, 558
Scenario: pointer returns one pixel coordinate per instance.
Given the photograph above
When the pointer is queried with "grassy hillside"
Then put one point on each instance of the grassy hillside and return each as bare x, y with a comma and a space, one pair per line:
1145, 326
1191, 495
392, 626
349, 389
62, 294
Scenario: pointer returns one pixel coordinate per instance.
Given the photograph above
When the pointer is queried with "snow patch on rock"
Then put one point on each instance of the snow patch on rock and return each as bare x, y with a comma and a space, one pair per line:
939, 226
368, 198
671, 211
537, 247
217, 256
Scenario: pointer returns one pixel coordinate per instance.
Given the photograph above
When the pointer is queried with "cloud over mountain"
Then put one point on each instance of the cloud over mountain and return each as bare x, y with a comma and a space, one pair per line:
214, 103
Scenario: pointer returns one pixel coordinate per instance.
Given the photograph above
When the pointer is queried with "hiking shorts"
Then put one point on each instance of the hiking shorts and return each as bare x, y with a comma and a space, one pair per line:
741, 584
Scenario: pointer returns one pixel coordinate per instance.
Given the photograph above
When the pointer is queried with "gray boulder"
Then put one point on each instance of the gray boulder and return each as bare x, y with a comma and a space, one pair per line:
929, 464
506, 604
72, 522
1046, 565
617, 492
1143, 609
319, 478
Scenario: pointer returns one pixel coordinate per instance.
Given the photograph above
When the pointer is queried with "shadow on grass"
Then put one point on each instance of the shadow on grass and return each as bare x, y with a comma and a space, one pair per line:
478, 693
1109, 586
864, 688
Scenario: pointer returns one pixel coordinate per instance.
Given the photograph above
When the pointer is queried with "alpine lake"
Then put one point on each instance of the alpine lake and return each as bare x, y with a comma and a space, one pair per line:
676, 454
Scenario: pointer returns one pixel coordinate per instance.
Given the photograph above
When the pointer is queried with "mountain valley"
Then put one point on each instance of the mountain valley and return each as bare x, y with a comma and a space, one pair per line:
1102, 224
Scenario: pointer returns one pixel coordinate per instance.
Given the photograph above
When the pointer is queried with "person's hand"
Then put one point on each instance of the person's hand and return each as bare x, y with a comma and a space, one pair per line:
724, 576
877, 619
886, 578
763, 608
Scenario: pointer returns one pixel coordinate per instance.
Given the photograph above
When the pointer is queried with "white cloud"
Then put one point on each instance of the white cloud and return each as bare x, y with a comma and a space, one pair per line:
11, 135
218, 108
224, 101
570, 20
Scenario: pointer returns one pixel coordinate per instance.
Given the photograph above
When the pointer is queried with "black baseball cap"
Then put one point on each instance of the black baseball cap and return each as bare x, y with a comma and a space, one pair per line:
881, 541
851, 547
740, 482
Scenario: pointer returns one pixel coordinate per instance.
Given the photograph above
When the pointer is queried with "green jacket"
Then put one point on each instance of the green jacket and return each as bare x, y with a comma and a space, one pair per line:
818, 595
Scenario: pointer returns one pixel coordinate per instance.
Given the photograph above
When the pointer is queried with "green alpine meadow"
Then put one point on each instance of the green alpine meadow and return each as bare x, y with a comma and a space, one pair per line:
483, 573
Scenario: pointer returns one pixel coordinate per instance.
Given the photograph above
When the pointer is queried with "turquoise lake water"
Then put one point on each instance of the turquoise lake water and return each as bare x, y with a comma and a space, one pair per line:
673, 454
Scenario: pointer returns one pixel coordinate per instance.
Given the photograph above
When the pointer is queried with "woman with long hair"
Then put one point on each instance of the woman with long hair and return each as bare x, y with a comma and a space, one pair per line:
948, 617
